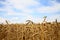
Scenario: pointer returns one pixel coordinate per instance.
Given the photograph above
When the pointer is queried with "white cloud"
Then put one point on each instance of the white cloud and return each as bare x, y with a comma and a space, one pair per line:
53, 18
21, 4
49, 9
26, 13
2, 20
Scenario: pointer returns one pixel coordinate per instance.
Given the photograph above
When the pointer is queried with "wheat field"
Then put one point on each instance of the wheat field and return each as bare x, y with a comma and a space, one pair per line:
46, 31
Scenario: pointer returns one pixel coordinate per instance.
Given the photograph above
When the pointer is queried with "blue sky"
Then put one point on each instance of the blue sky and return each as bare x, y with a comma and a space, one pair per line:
18, 11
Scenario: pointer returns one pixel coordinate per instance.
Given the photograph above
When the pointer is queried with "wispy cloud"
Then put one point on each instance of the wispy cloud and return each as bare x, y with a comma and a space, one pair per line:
27, 9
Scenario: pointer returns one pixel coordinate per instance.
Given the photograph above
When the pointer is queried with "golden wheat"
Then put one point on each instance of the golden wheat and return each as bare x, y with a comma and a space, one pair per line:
46, 31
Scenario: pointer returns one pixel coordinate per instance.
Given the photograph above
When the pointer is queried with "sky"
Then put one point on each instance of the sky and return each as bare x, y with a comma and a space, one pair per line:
18, 11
